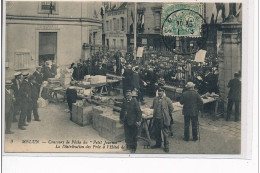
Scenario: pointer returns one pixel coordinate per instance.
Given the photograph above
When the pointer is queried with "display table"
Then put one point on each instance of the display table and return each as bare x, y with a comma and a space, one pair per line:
147, 117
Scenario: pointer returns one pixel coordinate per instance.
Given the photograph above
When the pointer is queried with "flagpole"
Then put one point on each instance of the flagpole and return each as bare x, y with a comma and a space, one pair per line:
135, 13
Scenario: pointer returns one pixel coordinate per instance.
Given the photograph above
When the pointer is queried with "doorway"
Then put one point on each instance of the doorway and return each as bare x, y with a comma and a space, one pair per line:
47, 47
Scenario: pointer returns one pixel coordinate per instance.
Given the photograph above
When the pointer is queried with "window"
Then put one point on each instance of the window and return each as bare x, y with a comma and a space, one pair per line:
48, 7
114, 23
122, 43
22, 59
117, 24
114, 43
110, 25
122, 24
107, 43
157, 20
107, 25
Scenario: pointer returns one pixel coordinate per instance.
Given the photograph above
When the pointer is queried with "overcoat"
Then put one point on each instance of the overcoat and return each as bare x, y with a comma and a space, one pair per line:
130, 112
191, 102
167, 109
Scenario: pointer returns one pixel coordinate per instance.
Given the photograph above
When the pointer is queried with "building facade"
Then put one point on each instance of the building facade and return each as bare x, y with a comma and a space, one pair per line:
115, 26
63, 32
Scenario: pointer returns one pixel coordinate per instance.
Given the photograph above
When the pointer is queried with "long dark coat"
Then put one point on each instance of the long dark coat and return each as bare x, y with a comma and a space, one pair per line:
191, 102
130, 112
235, 89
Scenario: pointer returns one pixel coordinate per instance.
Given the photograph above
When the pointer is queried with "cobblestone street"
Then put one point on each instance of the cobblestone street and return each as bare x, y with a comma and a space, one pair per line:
216, 137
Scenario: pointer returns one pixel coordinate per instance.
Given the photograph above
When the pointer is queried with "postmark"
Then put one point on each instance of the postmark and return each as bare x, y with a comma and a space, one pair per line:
182, 20
184, 24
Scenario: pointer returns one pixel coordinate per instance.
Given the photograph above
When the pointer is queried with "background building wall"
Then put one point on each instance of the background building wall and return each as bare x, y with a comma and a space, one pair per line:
74, 24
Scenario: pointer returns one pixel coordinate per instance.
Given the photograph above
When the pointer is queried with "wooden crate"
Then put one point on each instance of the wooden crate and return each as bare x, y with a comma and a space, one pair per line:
111, 128
74, 112
82, 115
85, 115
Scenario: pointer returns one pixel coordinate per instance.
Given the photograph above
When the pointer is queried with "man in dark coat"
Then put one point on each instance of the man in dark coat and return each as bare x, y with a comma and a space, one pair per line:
34, 98
127, 79
9, 107
234, 96
71, 94
16, 84
130, 116
192, 104
162, 116
46, 71
100, 70
38, 77
25, 93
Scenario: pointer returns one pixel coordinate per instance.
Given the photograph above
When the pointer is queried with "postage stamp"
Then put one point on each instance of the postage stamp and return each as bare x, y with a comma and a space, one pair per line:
182, 19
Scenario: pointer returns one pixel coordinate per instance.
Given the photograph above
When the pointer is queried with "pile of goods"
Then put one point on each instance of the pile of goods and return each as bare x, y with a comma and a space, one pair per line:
53, 82
107, 123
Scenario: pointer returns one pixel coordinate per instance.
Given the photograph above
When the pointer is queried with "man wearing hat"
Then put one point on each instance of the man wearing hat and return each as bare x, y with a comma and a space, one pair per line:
33, 106
100, 70
38, 77
162, 114
192, 104
234, 96
9, 107
130, 116
16, 83
25, 93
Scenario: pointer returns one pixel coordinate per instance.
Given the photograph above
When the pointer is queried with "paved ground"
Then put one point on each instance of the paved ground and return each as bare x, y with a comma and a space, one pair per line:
216, 137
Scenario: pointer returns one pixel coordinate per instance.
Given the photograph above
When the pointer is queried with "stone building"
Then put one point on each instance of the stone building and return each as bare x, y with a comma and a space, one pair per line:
63, 32
115, 26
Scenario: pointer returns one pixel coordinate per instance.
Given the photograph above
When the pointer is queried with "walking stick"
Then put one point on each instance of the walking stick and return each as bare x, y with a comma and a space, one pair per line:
198, 129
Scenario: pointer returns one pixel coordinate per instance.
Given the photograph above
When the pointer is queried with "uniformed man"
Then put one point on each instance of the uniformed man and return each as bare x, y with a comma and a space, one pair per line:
130, 116
25, 92
34, 98
16, 84
9, 107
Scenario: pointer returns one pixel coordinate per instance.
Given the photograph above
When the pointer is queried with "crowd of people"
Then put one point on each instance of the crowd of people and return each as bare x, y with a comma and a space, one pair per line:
148, 76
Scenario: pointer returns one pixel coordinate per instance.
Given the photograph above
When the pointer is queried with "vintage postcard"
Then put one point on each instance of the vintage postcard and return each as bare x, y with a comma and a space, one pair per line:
123, 77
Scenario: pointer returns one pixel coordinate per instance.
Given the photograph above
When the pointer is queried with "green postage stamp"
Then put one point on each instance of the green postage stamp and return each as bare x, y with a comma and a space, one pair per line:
179, 19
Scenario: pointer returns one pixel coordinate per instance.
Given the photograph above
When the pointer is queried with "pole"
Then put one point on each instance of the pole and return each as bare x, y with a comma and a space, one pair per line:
135, 18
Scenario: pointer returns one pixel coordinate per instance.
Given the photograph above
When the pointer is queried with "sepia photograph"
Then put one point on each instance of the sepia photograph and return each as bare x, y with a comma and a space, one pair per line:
122, 77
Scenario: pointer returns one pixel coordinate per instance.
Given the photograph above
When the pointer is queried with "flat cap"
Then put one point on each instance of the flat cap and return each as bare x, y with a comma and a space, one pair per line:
17, 73
25, 74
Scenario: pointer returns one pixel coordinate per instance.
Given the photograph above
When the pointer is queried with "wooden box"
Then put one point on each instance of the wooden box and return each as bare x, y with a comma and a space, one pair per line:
82, 115
111, 128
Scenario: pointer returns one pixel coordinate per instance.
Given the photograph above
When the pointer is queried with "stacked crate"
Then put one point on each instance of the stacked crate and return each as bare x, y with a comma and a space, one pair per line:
111, 128
107, 123
82, 115
65, 79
